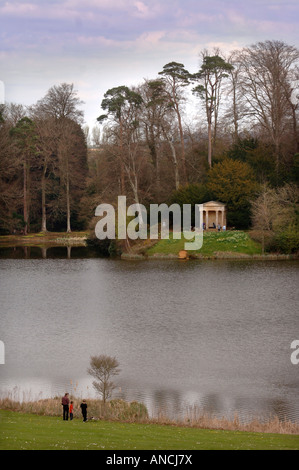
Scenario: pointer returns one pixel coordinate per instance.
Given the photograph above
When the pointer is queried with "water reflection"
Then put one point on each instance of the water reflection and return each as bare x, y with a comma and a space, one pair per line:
48, 252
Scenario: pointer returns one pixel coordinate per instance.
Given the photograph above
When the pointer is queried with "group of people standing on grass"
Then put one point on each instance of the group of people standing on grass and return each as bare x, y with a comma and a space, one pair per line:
219, 228
68, 408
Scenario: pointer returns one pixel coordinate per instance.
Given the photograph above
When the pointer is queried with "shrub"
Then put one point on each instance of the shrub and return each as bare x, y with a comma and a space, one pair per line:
285, 242
233, 183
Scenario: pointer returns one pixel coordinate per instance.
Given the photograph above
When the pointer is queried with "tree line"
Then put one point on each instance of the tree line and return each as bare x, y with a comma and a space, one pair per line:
226, 132
43, 163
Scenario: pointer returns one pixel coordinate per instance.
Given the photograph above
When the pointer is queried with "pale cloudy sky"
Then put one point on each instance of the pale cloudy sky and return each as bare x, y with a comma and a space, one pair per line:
99, 44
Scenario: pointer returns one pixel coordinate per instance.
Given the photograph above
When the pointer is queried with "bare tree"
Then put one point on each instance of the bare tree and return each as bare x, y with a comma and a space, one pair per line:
72, 152
266, 71
46, 162
169, 136
177, 78
275, 210
159, 126
13, 113
103, 368
123, 106
61, 102
151, 117
262, 213
61, 105
233, 90
96, 137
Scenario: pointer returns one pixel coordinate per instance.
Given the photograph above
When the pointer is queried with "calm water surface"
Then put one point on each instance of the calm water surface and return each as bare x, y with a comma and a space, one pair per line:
215, 334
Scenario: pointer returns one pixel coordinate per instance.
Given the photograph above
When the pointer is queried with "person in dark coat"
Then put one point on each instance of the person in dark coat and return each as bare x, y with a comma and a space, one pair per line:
65, 403
83, 407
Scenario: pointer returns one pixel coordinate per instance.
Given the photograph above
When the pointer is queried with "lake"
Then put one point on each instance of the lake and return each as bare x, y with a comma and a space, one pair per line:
212, 333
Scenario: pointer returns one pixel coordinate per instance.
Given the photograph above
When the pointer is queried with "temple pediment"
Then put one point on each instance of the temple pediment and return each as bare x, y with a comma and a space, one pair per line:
213, 204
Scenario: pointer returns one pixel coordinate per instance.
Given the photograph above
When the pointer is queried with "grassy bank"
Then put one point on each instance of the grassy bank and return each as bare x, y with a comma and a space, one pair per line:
116, 409
214, 243
20, 431
43, 239
135, 412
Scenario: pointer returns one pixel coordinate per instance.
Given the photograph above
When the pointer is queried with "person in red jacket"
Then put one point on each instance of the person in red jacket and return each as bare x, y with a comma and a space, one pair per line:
65, 403
71, 410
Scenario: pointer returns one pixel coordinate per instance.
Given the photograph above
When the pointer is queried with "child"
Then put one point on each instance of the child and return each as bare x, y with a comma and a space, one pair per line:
83, 407
71, 410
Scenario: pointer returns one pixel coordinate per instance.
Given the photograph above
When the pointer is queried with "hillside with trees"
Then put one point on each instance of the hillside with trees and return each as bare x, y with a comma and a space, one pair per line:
228, 132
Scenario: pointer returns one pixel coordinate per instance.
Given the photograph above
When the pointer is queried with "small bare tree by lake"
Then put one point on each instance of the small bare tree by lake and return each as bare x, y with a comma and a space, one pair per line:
103, 368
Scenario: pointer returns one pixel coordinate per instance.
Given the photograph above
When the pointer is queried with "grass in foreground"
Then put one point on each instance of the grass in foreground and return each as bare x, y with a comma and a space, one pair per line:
213, 242
20, 431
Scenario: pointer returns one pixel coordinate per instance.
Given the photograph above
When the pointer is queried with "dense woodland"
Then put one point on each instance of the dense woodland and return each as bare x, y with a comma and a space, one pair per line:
228, 132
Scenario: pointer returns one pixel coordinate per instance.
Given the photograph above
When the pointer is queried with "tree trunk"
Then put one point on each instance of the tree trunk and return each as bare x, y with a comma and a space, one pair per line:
295, 132
155, 154
210, 142
122, 178
235, 113
174, 158
158, 182
175, 163
44, 211
68, 206
183, 148
122, 169
25, 204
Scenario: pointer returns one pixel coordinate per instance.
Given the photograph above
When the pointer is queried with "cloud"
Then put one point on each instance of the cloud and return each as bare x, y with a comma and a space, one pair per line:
18, 9
143, 10
110, 42
127, 20
65, 9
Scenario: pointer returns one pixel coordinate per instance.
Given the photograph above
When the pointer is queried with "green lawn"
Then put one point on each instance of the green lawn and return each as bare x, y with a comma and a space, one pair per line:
213, 242
32, 432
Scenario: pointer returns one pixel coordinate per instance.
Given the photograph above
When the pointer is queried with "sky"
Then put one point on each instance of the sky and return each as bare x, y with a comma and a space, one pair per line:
100, 44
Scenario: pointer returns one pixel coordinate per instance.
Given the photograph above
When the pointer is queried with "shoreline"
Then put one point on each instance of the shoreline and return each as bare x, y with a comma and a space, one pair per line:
79, 239
198, 256
75, 243
136, 412
48, 239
